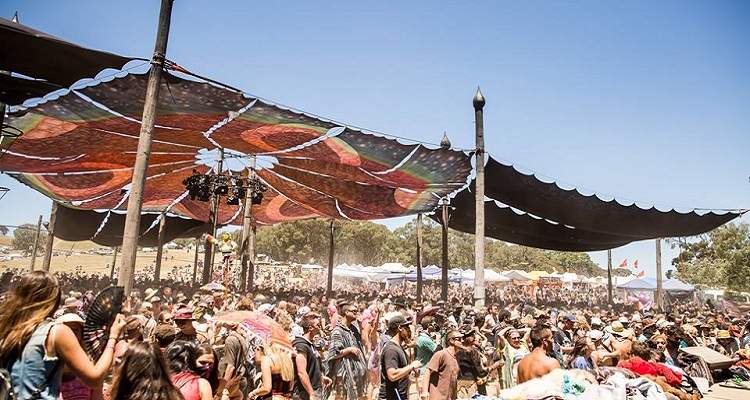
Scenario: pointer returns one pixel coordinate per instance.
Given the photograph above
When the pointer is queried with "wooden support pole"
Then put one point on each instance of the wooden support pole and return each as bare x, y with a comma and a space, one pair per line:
329, 285
246, 257
444, 278
609, 276
36, 243
659, 288
208, 256
50, 237
251, 254
135, 200
160, 248
195, 261
419, 257
478, 103
114, 262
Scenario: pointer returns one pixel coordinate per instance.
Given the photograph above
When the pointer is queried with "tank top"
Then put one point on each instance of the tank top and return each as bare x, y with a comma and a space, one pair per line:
37, 375
187, 383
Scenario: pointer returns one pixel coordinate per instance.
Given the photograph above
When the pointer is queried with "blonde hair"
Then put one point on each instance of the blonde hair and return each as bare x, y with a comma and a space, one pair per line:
282, 360
33, 299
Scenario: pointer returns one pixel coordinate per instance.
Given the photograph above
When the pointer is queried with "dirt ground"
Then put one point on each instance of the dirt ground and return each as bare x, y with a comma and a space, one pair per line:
67, 256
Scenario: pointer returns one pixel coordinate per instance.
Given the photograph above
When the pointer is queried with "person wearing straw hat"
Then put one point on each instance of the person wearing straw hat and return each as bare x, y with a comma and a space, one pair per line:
725, 343
620, 339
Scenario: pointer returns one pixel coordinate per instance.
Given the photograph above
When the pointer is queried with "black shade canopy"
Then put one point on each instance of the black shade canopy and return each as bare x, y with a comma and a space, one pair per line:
76, 225
42, 56
15, 90
559, 219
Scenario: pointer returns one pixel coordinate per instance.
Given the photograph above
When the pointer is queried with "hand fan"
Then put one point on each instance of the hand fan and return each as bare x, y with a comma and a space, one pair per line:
99, 317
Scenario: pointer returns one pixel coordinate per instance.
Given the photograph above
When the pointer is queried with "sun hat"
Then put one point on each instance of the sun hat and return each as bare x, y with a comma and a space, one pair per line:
617, 329
149, 293
70, 317
723, 334
596, 334
183, 313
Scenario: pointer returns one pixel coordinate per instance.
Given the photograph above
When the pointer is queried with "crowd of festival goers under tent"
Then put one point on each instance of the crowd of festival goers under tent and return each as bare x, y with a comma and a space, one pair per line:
172, 341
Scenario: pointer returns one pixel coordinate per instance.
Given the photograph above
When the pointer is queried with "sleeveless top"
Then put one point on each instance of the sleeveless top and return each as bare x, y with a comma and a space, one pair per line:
187, 383
37, 375
279, 388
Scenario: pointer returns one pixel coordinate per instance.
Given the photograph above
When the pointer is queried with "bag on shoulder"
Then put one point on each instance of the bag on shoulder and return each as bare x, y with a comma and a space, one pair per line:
6, 387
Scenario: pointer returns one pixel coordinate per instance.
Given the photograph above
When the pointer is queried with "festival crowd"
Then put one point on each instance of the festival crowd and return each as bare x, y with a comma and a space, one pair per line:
285, 339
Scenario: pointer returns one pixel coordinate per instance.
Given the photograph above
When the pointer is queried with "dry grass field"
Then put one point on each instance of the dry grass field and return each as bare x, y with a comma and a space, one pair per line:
69, 255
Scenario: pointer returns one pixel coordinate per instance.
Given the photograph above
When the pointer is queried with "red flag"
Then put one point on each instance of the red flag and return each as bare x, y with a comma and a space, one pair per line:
624, 263
635, 264
641, 274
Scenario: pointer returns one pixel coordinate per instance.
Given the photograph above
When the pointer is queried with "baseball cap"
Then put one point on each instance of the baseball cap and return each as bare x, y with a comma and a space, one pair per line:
398, 320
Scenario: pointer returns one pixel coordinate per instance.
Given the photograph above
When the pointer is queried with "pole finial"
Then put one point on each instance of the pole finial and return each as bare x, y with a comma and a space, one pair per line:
445, 143
15, 18
478, 100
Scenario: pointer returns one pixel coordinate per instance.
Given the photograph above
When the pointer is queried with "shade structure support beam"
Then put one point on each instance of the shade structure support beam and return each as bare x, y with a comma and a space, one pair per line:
419, 258
114, 262
444, 277
145, 137
478, 103
609, 276
195, 261
160, 247
329, 283
247, 249
36, 243
50, 237
659, 286
208, 256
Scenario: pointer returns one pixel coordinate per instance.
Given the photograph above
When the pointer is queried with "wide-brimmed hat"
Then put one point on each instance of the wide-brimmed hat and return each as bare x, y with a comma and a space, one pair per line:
72, 302
183, 313
149, 294
723, 334
595, 335
617, 329
70, 318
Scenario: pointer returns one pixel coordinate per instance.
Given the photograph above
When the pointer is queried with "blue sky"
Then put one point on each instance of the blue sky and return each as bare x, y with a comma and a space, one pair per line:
646, 101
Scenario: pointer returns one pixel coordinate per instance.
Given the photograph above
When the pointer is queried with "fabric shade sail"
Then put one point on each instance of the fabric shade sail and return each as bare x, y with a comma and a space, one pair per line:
42, 56
79, 149
525, 210
76, 225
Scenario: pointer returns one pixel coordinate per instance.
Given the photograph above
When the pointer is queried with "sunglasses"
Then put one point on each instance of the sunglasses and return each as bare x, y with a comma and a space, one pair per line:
515, 337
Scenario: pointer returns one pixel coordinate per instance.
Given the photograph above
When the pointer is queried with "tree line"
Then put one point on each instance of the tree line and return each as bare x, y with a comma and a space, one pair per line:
371, 244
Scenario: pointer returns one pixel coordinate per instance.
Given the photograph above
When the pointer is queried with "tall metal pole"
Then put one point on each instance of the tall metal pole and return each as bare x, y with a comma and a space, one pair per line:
659, 288
419, 257
50, 237
160, 248
329, 285
247, 231
36, 243
208, 256
114, 261
609, 276
445, 144
135, 201
444, 278
478, 103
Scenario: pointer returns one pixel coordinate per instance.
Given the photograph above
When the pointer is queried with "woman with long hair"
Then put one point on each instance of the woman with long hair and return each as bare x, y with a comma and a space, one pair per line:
277, 373
143, 375
35, 347
580, 358
182, 357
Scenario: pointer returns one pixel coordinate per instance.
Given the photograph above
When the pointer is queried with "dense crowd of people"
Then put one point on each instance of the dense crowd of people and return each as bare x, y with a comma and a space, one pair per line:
367, 341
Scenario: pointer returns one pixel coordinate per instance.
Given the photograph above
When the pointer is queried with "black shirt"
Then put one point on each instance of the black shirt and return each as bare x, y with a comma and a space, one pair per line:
304, 347
393, 357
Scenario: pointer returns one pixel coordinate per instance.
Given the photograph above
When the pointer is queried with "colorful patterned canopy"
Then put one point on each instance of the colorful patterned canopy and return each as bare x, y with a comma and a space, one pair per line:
80, 148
